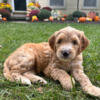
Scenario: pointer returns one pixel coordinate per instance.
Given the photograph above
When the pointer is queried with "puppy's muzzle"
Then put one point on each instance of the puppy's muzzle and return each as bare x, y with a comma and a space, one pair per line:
65, 53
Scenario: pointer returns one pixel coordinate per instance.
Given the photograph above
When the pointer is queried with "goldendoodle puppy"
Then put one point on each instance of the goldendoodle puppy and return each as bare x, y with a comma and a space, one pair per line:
62, 54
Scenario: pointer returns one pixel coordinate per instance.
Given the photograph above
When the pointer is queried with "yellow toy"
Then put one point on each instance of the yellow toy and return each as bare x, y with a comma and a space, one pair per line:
88, 19
34, 18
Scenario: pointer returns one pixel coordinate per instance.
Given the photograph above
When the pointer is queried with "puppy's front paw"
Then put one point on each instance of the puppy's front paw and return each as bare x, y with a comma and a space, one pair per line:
68, 83
26, 81
42, 81
92, 90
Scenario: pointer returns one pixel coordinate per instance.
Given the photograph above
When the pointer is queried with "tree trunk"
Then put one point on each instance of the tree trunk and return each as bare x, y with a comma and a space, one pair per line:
77, 5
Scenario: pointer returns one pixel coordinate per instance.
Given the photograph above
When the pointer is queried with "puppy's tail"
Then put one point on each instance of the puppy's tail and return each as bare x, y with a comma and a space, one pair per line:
6, 72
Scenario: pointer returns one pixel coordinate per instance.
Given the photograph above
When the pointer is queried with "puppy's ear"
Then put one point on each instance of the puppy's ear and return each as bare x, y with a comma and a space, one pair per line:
84, 42
52, 42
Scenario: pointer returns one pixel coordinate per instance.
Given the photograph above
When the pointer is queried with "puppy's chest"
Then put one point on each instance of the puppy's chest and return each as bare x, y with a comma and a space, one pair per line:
65, 66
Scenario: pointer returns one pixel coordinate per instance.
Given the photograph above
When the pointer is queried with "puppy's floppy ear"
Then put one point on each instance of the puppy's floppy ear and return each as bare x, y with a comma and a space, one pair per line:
84, 42
52, 42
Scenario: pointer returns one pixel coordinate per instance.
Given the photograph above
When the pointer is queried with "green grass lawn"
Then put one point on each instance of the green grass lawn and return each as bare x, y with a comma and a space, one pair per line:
12, 35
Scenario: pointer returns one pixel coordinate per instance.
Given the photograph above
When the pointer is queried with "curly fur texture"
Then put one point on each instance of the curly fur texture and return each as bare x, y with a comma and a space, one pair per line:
62, 54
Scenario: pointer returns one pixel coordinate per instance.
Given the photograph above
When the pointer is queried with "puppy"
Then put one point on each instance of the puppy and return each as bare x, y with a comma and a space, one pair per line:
63, 53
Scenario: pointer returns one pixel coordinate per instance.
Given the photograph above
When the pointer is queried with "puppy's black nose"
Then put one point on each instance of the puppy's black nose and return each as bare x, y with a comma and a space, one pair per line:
65, 54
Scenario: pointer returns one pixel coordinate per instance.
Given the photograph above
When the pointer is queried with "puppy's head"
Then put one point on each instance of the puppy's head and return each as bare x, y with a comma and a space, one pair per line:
67, 43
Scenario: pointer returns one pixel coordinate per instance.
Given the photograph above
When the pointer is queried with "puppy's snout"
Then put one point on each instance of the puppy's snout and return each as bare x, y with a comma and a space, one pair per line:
65, 53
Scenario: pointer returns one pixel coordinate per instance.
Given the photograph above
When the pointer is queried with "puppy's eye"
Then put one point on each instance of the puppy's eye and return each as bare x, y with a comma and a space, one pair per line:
59, 41
74, 42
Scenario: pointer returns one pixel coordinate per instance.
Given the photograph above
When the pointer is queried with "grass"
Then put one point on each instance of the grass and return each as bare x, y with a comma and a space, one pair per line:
12, 35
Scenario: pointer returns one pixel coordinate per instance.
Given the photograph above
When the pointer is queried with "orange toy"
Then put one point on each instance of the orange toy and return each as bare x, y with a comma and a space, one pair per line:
51, 18
62, 19
82, 19
4, 19
36, 19
96, 18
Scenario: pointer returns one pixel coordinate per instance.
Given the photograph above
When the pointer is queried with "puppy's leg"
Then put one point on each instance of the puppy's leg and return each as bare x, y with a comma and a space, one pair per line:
84, 81
60, 75
18, 63
20, 78
34, 78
